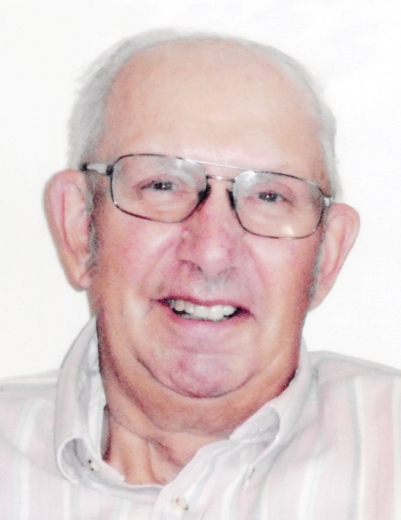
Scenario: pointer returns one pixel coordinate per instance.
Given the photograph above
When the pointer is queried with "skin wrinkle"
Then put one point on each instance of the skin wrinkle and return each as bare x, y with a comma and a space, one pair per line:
152, 440
96, 195
158, 447
152, 360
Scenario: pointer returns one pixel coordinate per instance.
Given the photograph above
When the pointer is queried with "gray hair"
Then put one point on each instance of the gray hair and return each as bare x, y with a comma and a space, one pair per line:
86, 126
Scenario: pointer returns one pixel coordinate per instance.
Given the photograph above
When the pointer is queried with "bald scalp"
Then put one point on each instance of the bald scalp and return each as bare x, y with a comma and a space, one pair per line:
196, 79
88, 121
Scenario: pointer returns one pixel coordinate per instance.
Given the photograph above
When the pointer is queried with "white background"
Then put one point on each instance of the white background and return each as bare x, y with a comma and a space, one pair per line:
352, 47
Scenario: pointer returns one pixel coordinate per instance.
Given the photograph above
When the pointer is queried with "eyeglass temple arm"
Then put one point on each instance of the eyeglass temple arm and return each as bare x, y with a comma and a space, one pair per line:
328, 201
102, 168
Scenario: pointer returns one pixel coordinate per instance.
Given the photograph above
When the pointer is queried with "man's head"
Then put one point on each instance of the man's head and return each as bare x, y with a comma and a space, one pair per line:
217, 101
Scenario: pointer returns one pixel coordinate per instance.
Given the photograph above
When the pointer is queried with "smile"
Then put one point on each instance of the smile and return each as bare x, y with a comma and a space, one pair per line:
191, 310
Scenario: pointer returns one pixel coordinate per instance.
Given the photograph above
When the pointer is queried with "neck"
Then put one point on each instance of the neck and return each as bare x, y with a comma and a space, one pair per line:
148, 454
151, 432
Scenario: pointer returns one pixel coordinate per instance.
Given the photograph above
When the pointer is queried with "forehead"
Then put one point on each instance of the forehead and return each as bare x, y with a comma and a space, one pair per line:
216, 101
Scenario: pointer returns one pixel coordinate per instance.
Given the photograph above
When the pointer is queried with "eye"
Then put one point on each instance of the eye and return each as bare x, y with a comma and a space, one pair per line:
270, 196
162, 189
160, 185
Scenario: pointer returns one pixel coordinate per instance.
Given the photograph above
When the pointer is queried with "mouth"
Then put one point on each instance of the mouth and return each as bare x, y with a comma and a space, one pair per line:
190, 310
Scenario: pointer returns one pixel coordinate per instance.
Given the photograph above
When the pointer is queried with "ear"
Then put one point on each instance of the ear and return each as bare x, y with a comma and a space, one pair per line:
65, 205
341, 229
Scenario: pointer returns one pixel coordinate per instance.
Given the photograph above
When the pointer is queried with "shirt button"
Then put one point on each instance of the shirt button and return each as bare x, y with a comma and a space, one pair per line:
92, 465
181, 504
251, 472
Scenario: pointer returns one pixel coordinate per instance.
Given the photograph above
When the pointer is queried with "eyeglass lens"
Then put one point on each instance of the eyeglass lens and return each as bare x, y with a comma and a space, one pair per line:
168, 189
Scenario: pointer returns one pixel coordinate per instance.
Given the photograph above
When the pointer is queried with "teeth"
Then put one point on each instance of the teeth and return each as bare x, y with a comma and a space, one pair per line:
202, 312
188, 307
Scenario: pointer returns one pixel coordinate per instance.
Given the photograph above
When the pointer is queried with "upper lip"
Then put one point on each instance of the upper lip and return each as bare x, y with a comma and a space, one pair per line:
206, 302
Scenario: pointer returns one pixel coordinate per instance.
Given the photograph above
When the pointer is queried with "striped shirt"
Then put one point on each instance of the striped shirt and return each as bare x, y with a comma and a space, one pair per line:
327, 448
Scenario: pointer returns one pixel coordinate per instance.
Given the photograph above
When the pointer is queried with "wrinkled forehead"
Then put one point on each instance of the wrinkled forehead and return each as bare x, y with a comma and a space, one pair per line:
220, 84
221, 64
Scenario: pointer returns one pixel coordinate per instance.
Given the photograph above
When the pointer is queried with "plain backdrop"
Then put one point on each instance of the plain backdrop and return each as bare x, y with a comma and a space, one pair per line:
352, 47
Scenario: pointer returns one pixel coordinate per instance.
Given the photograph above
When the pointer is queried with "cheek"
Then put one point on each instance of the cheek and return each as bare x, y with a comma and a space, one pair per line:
131, 254
285, 269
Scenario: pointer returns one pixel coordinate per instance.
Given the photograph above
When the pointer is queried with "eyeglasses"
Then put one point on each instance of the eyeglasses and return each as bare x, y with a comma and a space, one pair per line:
169, 189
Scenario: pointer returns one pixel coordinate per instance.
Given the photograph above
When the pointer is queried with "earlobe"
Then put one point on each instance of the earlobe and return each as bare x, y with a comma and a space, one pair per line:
341, 231
65, 204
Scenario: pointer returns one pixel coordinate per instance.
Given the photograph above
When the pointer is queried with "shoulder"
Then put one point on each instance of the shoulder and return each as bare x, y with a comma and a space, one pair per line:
27, 398
348, 378
38, 385
332, 367
27, 419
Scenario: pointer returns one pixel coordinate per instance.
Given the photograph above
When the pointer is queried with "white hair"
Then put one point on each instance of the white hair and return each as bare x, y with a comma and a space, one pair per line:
86, 126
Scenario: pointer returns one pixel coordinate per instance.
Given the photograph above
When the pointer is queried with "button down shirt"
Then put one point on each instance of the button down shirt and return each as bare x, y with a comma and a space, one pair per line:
327, 448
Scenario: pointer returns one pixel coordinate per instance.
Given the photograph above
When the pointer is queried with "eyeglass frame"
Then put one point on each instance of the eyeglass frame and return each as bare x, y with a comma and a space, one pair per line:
108, 170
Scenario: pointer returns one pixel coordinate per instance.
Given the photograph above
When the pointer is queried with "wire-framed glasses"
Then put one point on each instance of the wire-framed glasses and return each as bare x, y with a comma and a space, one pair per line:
169, 189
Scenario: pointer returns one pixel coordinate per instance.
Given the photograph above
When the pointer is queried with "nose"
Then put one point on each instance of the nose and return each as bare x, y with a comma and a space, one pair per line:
212, 236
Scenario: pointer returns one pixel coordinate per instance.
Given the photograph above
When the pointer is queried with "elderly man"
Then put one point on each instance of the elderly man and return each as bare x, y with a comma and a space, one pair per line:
199, 215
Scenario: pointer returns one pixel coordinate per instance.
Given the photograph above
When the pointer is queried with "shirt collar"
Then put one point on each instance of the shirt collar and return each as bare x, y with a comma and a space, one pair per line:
277, 418
79, 411
81, 400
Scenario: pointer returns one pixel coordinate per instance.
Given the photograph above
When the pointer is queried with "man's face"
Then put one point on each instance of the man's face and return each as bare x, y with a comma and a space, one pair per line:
218, 103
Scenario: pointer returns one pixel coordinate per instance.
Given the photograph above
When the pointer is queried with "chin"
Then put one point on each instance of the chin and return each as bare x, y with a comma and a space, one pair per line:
203, 381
